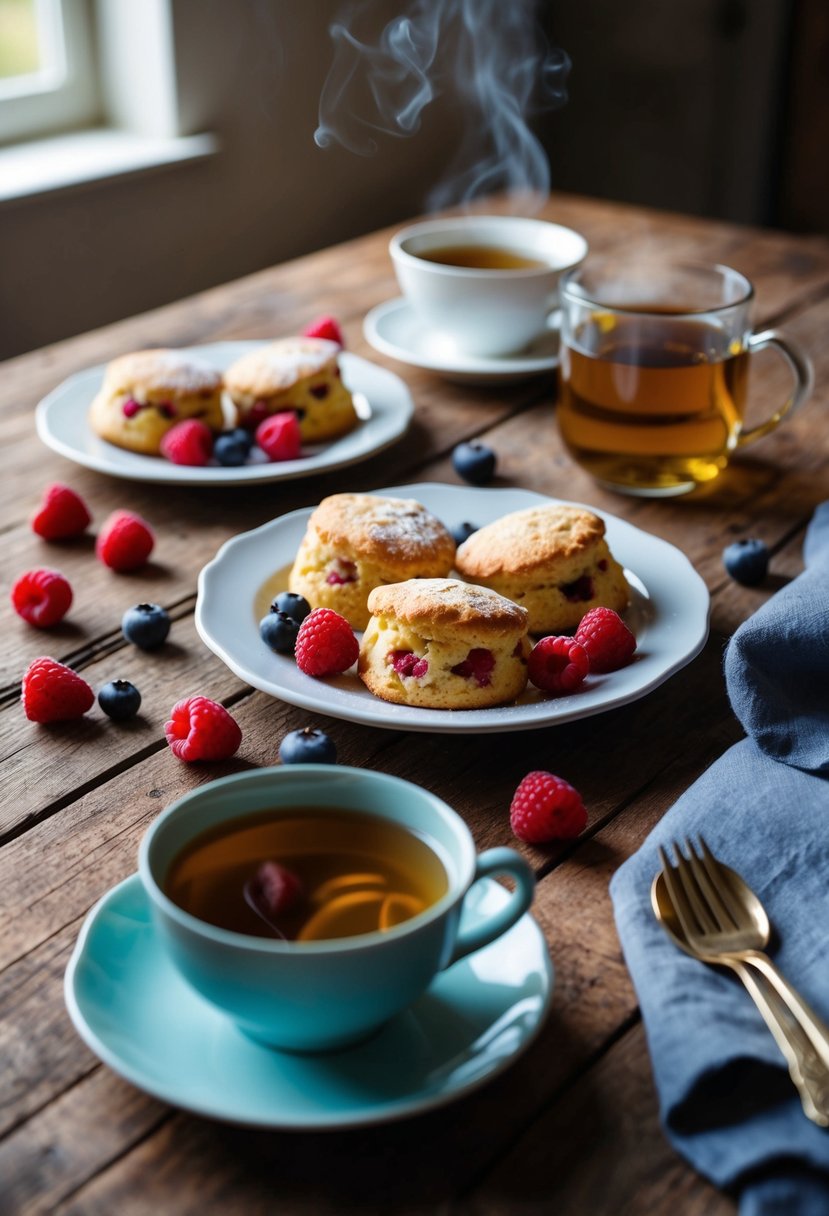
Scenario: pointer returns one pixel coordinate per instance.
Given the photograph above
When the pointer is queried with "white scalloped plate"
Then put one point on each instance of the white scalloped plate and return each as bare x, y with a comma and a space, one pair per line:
382, 400
668, 614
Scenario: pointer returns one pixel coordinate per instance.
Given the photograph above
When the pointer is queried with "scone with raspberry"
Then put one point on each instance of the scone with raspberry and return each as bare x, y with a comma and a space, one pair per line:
146, 393
553, 560
356, 542
443, 644
299, 374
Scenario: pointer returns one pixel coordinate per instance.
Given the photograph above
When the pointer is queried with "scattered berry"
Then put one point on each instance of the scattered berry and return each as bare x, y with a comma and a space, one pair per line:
272, 891
307, 746
62, 513
146, 626
119, 700
474, 462
462, 532
326, 644
293, 604
279, 437
53, 692
558, 664
41, 597
125, 541
324, 327
606, 638
201, 729
545, 807
188, 442
279, 631
232, 448
747, 561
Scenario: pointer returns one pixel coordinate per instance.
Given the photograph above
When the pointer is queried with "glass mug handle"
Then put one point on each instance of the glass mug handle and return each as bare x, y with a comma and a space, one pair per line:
497, 861
802, 371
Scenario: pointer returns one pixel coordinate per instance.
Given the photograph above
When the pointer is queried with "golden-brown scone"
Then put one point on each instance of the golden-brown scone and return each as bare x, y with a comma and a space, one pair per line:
299, 374
443, 644
356, 542
553, 560
146, 393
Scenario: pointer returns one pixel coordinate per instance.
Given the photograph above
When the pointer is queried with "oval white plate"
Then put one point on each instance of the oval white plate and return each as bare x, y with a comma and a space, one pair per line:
382, 400
668, 614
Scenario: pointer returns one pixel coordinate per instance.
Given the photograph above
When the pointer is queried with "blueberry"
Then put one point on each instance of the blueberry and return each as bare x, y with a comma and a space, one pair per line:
474, 462
232, 448
747, 561
293, 605
119, 700
146, 626
278, 630
307, 746
462, 532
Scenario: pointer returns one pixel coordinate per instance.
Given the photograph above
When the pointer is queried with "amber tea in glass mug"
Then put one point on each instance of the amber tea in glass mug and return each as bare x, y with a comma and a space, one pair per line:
654, 372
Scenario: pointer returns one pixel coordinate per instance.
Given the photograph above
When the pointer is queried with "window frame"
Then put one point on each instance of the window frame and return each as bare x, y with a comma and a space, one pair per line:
66, 93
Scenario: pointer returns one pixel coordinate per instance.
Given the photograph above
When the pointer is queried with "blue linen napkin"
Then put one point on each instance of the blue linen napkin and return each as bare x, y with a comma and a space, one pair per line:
726, 1099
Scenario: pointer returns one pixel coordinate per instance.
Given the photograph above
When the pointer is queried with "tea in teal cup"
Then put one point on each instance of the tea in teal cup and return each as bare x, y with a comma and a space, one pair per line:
361, 942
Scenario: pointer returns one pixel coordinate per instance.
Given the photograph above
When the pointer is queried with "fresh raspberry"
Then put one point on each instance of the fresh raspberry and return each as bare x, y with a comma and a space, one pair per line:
324, 327
279, 437
558, 664
606, 638
188, 442
42, 597
545, 807
201, 729
54, 693
62, 513
325, 644
125, 541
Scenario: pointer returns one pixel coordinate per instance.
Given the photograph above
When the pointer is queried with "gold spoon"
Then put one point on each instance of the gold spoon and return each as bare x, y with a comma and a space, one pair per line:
806, 1068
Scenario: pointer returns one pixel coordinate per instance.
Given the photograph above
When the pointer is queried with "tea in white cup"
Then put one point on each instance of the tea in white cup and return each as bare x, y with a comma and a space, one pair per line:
488, 284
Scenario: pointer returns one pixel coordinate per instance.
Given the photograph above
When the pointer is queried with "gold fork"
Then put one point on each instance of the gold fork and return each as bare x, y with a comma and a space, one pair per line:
713, 915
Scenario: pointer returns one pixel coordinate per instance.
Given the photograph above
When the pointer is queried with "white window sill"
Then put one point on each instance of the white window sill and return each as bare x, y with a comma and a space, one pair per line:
66, 161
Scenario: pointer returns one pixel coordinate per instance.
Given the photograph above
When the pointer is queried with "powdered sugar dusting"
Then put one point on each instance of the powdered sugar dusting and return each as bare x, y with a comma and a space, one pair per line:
402, 525
287, 359
167, 369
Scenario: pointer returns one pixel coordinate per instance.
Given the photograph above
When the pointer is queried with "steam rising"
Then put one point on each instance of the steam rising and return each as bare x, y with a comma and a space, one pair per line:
489, 56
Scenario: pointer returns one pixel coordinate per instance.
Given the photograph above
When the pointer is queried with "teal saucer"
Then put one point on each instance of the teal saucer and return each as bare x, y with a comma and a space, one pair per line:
131, 1007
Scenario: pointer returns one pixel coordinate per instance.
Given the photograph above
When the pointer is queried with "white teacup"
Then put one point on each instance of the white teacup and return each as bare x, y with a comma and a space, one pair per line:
485, 310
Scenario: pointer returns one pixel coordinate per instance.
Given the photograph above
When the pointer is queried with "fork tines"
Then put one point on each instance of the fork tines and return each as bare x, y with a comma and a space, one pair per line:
699, 889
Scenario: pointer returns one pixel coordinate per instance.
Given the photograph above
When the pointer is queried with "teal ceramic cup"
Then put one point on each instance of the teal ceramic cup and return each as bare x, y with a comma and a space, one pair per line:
321, 995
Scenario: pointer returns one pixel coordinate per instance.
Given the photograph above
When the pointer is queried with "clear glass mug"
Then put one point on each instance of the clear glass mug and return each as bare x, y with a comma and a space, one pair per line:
654, 372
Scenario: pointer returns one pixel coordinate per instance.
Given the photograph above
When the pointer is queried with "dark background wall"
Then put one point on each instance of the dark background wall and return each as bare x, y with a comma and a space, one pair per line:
716, 107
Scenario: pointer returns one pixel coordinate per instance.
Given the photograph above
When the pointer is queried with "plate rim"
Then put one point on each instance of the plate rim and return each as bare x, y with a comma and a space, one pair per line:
464, 365
371, 1117
431, 721
391, 419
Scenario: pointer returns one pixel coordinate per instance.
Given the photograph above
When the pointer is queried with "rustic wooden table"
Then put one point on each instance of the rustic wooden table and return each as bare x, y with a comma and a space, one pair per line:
573, 1126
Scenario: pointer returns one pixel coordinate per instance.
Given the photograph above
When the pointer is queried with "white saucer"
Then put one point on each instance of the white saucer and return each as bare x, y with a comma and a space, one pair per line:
383, 403
393, 329
133, 1009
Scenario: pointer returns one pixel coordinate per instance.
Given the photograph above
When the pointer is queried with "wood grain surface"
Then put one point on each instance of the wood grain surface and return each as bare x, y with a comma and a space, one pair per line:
573, 1126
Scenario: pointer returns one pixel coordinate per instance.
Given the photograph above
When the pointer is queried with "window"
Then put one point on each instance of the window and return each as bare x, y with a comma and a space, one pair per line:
48, 80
